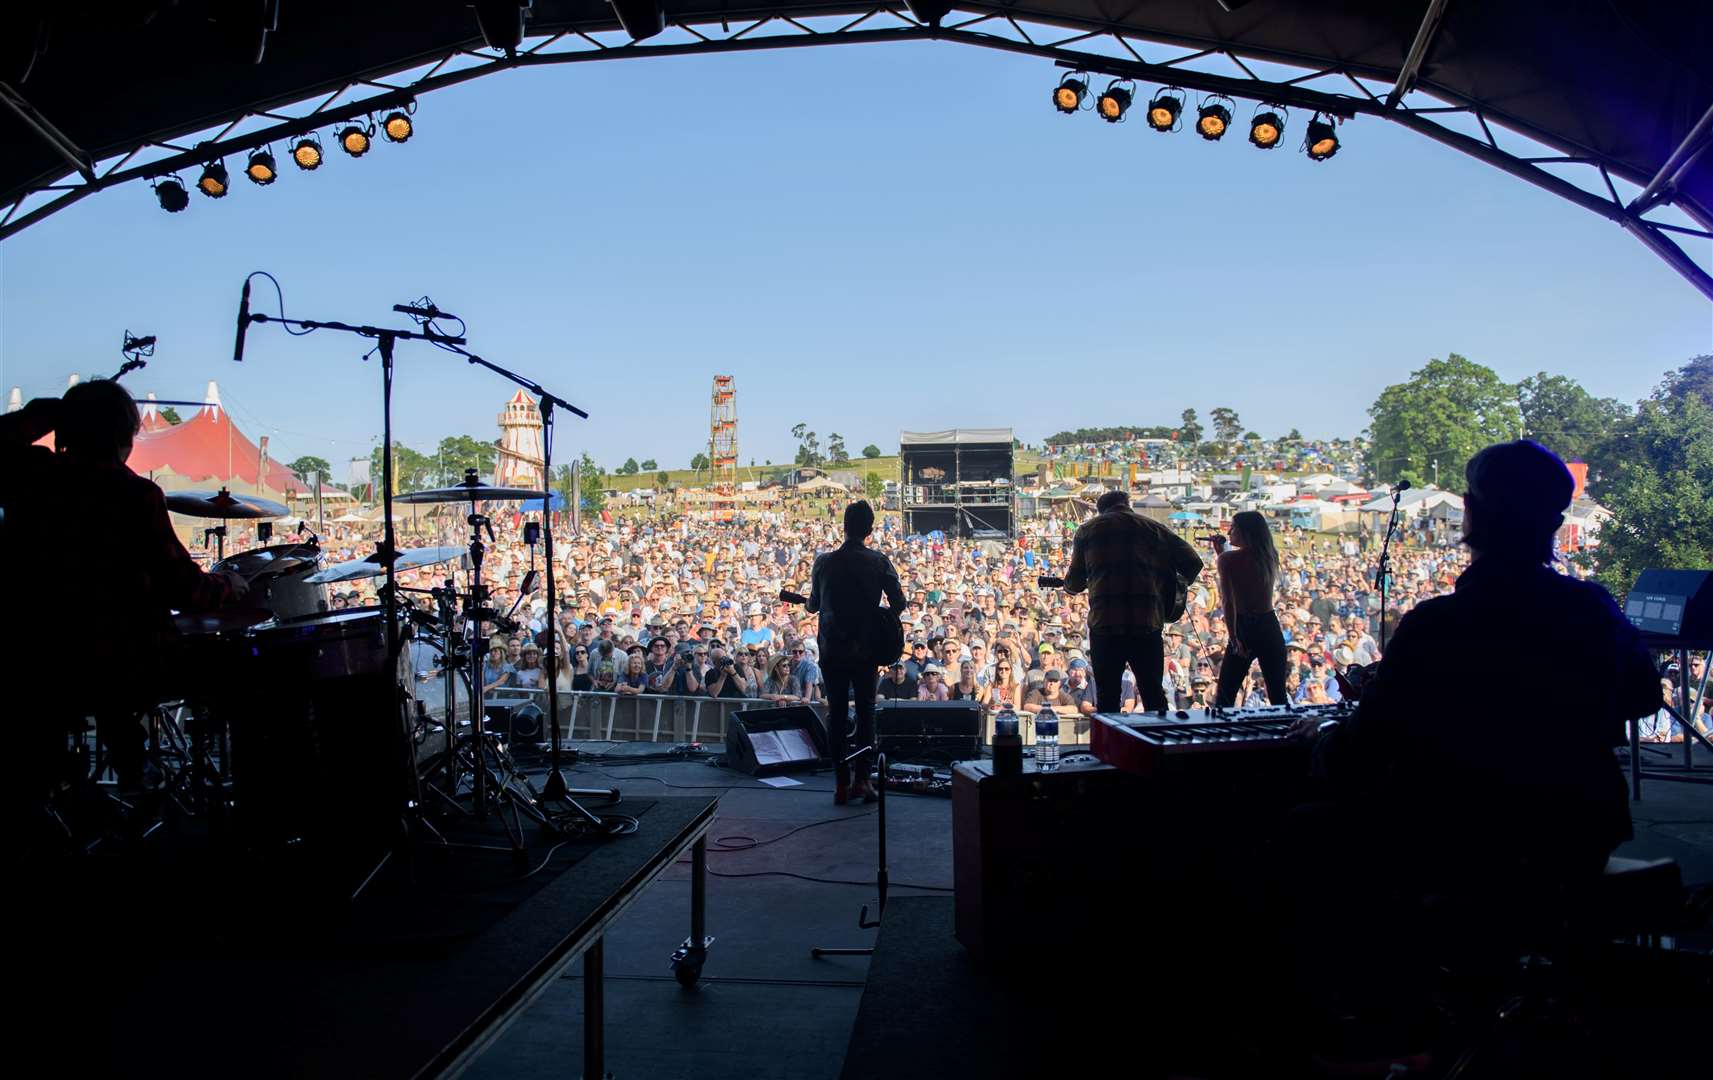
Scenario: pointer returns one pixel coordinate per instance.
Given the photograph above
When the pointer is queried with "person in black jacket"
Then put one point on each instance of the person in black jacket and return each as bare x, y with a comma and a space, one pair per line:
845, 590
1498, 799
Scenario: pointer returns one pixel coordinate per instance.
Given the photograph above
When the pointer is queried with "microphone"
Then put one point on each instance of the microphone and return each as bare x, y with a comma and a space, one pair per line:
1402, 485
243, 324
137, 344
424, 313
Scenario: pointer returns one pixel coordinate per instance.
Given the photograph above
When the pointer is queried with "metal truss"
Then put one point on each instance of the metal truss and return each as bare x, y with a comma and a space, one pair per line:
1571, 172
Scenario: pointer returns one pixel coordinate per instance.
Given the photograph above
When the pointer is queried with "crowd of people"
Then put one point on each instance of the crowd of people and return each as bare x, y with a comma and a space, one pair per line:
681, 605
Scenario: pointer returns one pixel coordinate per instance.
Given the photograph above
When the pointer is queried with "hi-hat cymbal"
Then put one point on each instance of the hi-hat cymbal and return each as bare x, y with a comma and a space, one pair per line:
356, 570
469, 493
224, 504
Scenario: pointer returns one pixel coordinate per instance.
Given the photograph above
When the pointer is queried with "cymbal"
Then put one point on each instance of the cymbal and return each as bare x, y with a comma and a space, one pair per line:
224, 504
221, 621
471, 492
356, 570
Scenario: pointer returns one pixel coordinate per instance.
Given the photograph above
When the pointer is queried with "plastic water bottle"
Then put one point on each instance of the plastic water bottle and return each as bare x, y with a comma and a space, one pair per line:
1046, 739
1007, 743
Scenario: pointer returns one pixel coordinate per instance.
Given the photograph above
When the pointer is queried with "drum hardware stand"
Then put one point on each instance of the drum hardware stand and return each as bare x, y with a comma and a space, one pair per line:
387, 551
1383, 573
219, 534
880, 876
555, 791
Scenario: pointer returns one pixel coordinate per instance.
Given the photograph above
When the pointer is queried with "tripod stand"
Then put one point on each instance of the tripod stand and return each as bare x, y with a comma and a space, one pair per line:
880, 878
555, 790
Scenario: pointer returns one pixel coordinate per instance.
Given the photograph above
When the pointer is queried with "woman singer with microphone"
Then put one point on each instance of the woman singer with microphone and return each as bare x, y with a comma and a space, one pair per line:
1248, 573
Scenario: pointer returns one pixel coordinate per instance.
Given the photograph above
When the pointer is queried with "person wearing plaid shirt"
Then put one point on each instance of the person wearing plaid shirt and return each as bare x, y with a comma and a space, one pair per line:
1127, 563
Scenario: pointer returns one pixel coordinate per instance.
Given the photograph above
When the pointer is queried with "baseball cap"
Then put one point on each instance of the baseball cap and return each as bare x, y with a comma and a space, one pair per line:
1054, 675
1046, 650
1079, 664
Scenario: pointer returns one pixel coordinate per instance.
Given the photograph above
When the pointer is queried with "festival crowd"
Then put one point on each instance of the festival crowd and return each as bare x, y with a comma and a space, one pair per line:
680, 605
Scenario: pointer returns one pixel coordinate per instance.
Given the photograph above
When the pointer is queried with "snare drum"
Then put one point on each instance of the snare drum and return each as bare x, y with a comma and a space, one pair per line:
276, 578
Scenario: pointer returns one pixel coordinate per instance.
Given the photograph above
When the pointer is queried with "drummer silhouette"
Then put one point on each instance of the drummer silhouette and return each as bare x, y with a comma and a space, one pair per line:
98, 570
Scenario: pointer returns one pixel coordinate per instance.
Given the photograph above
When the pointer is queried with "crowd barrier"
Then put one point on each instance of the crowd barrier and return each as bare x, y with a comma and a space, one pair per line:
668, 718
674, 718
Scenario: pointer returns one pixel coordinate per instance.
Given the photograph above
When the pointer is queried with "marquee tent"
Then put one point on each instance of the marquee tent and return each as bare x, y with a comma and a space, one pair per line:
207, 447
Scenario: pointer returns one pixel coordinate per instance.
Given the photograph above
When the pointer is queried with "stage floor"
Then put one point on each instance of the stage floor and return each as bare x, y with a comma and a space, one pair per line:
765, 1007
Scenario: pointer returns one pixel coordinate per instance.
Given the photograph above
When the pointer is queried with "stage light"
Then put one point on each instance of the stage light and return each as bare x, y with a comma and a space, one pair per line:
1068, 95
307, 153
213, 182
1164, 110
1113, 104
1321, 140
261, 169
398, 127
170, 191
355, 140
1266, 130
1212, 120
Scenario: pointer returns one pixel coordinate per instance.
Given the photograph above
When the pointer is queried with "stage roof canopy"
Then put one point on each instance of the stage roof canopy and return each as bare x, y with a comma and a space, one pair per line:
996, 436
1618, 92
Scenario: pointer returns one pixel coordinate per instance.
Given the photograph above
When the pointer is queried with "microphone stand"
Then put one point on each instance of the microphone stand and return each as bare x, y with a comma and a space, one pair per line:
1384, 574
387, 551
555, 789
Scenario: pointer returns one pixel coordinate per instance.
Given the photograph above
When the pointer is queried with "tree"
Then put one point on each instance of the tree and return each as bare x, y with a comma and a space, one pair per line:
590, 483
1566, 419
1294, 436
456, 453
309, 463
1695, 377
871, 451
1226, 426
170, 415
412, 470
699, 462
1447, 411
1189, 430
660, 479
1107, 434
1251, 436
836, 449
1659, 488
808, 445
629, 468
873, 486
650, 465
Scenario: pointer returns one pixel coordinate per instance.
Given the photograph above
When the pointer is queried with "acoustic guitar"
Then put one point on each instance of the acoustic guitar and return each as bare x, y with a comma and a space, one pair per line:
884, 641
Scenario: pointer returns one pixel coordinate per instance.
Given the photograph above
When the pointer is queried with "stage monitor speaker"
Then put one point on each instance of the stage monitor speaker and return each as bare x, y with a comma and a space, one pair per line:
768, 742
517, 720
1673, 608
938, 730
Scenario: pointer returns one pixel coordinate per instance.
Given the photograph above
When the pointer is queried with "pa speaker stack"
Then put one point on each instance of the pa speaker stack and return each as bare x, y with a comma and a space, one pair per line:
941, 731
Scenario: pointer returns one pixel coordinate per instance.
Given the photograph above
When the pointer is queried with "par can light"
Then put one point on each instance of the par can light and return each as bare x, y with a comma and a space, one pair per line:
213, 182
1113, 104
1068, 95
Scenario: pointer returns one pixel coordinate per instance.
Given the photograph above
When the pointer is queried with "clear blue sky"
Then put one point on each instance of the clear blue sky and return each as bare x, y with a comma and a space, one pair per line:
870, 238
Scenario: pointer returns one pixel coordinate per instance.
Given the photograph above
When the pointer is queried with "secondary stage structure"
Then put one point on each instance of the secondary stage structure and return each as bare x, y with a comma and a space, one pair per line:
958, 482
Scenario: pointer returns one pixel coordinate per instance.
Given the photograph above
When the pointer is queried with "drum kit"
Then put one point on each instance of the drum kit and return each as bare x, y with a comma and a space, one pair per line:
288, 724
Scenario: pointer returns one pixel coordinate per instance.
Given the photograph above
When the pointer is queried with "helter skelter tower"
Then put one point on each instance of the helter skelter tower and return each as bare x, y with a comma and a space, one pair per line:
723, 447
519, 463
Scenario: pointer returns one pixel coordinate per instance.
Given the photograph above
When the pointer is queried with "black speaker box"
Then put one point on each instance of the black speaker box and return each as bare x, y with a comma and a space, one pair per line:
520, 721
768, 742
940, 730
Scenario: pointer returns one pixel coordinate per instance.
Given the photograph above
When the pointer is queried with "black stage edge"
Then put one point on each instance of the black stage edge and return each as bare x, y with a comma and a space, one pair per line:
181, 966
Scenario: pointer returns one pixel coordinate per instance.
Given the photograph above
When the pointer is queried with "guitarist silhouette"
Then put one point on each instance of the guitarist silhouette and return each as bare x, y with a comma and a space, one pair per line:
845, 591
